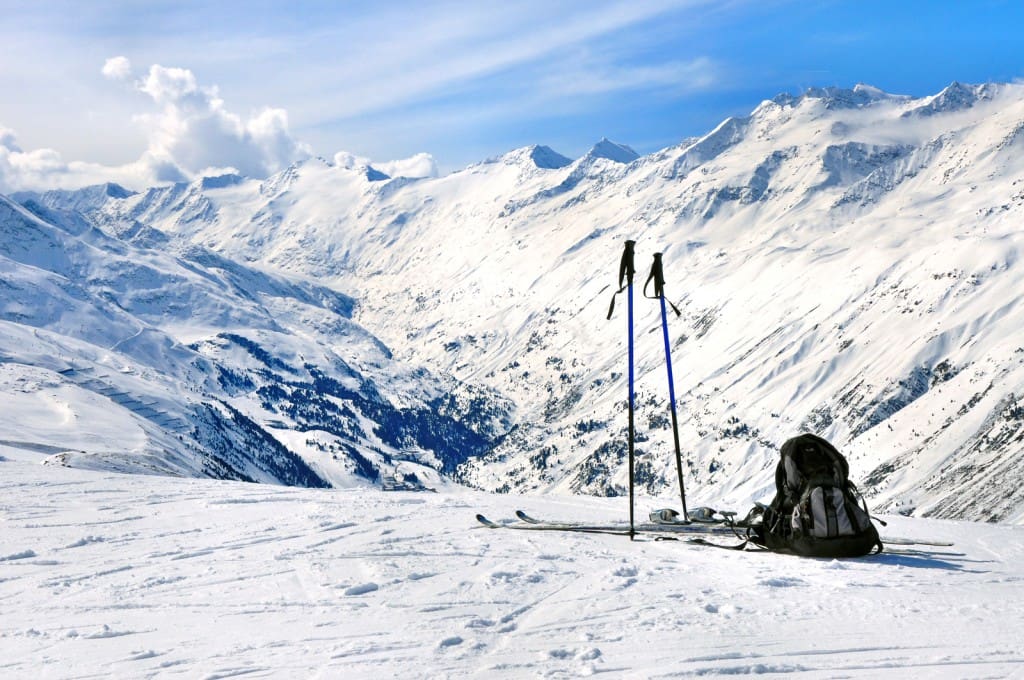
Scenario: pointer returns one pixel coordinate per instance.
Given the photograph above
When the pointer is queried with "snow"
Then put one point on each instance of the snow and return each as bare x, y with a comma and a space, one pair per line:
137, 576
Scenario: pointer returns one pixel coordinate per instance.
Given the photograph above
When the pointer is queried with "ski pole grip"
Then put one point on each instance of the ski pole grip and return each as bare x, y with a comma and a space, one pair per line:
626, 271
657, 275
626, 266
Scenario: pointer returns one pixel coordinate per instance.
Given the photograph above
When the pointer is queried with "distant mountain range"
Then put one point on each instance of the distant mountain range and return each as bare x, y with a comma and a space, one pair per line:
846, 262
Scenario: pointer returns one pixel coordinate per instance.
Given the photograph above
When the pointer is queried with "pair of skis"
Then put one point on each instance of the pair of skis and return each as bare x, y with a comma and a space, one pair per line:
627, 270
693, 531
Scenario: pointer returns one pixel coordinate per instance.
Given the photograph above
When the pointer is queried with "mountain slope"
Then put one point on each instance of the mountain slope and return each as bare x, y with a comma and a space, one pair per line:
844, 261
192, 364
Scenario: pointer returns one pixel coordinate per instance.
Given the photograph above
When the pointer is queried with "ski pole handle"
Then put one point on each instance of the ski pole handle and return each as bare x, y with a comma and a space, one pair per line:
657, 275
626, 271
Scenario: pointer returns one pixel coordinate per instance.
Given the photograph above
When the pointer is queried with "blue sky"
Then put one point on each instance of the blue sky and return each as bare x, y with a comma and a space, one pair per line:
461, 81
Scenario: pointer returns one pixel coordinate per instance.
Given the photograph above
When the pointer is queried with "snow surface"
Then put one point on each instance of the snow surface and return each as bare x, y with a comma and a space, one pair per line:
108, 575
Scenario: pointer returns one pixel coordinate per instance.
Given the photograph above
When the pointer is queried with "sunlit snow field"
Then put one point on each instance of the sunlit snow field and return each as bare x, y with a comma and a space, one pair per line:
108, 575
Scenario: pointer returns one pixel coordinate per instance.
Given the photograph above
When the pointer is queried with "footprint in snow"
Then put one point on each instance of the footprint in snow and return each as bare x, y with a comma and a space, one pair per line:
361, 589
627, 573
479, 623
586, 654
504, 576
23, 555
419, 576
84, 542
108, 632
782, 582
726, 610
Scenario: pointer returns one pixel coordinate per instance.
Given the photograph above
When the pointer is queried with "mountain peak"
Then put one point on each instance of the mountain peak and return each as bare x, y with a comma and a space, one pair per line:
620, 153
956, 96
546, 158
870, 90
114, 190
375, 175
83, 199
837, 97
536, 155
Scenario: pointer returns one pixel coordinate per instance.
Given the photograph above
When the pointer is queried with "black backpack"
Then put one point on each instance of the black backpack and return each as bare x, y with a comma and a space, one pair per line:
817, 510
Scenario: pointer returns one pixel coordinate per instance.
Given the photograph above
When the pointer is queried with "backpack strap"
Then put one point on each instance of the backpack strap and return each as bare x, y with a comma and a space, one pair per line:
697, 540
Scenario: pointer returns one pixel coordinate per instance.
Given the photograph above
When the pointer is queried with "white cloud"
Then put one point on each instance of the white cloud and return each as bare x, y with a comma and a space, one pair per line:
42, 169
419, 165
117, 68
173, 86
194, 130
8, 141
18, 167
485, 51
350, 161
191, 134
387, 78
599, 78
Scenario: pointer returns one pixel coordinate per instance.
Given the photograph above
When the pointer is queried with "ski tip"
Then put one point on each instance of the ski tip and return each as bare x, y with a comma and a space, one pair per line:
486, 522
893, 540
526, 518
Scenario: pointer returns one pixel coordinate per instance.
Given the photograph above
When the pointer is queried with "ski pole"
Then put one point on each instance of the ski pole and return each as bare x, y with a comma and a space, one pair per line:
658, 277
626, 272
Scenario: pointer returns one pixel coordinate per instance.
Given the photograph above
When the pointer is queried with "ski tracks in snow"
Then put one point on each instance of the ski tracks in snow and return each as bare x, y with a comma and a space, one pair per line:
126, 576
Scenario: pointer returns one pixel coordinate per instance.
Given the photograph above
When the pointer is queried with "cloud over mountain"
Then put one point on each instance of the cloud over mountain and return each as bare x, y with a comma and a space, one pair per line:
194, 131
191, 133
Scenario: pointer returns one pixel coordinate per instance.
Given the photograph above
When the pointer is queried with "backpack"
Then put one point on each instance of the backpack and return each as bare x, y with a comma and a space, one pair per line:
817, 511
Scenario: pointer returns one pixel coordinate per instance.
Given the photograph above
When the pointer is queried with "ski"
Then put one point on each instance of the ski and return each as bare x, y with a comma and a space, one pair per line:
666, 527
609, 528
693, 526
579, 528
896, 540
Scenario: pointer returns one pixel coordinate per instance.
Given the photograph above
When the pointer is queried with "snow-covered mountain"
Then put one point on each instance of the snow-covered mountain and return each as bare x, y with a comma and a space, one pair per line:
144, 356
846, 262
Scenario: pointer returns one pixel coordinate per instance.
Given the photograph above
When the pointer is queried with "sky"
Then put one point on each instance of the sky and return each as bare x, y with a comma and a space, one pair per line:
145, 92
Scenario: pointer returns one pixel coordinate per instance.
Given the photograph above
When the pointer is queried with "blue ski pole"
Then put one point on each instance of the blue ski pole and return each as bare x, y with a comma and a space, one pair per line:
658, 276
